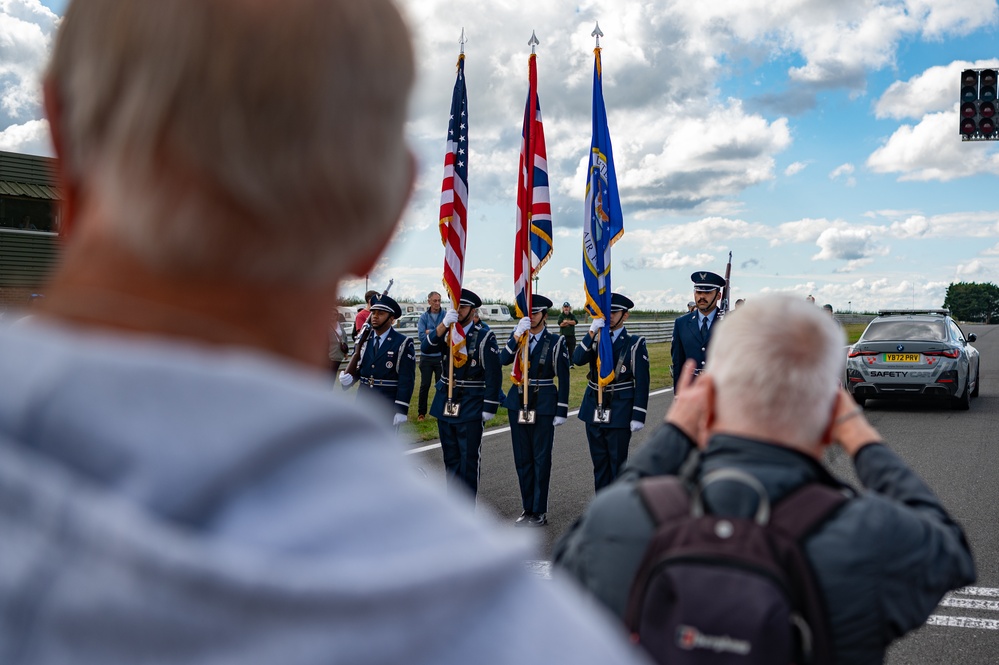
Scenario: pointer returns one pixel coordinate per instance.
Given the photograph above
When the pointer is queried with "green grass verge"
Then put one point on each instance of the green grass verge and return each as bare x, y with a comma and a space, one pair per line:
659, 377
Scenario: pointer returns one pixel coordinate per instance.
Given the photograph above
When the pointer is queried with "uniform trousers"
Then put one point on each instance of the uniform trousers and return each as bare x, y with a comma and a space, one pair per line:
609, 452
431, 367
532, 455
460, 443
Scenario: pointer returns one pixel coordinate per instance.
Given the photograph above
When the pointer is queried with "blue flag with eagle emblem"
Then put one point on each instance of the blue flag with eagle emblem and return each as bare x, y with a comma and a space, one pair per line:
603, 224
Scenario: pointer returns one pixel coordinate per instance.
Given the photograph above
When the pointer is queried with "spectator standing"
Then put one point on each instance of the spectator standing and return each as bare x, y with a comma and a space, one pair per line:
430, 363
567, 326
895, 541
362, 316
178, 484
338, 342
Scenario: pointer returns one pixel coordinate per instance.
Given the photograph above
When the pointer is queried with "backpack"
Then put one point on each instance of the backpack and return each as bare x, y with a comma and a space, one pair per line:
720, 590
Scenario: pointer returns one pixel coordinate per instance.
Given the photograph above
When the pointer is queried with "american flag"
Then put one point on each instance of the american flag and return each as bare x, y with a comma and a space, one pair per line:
454, 206
603, 224
533, 246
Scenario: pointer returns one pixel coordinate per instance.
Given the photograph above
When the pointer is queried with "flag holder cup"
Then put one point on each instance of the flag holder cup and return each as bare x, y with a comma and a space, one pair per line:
601, 416
527, 416
451, 409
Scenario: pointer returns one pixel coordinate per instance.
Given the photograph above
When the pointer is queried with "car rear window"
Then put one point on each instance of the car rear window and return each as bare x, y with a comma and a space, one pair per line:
930, 331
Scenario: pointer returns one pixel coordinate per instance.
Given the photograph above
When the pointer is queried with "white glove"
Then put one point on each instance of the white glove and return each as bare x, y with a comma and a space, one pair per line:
596, 325
399, 419
559, 420
451, 316
488, 416
346, 380
636, 426
522, 327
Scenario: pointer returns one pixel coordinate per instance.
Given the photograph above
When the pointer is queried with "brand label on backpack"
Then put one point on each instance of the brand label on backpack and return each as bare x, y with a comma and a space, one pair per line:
689, 638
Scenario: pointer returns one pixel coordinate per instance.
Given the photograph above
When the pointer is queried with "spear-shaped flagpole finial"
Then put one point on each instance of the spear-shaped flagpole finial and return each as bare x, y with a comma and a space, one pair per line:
534, 41
462, 41
598, 33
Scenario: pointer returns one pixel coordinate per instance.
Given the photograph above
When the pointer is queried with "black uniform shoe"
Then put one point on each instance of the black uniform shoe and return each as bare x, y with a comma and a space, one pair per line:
538, 519
524, 519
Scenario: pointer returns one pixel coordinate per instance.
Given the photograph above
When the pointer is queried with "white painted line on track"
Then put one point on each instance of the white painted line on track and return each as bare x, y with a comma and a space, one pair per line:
969, 604
962, 622
977, 591
500, 430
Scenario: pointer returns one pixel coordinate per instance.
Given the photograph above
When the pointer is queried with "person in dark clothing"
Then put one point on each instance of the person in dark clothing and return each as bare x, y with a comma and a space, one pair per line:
567, 326
692, 331
882, 562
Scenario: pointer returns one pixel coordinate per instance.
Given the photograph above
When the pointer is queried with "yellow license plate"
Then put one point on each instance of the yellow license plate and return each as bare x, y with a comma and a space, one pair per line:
901, 357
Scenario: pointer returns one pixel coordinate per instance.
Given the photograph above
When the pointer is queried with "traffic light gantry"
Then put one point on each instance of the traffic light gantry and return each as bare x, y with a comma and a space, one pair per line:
978, 105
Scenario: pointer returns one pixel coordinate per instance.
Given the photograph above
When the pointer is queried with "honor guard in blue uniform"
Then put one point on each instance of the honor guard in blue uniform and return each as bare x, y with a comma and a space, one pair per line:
388, 360
625, 400
533, 428
692, 331
475, 394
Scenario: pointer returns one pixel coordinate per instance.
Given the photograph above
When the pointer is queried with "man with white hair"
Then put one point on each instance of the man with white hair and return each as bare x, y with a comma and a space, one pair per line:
178, 484
882, 561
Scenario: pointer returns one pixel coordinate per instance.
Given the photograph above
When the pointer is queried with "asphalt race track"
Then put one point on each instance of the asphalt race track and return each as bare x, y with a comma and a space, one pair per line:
956, 452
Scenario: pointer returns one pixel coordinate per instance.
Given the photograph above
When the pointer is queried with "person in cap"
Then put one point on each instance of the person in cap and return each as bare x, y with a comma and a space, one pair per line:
475, 394
547, 397
567, 326
692, 331
388, 360
625, 400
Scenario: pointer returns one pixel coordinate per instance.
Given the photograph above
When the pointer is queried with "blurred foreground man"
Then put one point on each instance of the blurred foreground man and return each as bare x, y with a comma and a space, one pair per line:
177, 483
882, 561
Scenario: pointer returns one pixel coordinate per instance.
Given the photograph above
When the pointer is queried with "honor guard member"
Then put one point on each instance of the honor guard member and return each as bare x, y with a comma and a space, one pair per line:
533, 432
388, 361
692, 331
625, 400
475, 396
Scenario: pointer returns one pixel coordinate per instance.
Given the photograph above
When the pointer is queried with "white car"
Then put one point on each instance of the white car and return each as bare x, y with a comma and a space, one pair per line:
406, 324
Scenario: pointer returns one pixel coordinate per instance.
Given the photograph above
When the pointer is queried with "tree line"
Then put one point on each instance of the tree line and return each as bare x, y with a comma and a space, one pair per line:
973, 302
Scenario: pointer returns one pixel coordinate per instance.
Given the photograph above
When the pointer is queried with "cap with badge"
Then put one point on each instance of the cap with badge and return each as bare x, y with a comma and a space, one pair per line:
540, 303
469, 299
707, 281
566, 304
386, 304
620, 303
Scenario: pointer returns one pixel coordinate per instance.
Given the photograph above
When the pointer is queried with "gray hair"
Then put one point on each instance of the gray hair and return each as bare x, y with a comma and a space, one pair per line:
777, 363
246, 138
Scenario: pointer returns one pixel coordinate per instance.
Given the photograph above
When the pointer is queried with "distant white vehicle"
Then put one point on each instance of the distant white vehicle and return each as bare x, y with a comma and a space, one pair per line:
495, 313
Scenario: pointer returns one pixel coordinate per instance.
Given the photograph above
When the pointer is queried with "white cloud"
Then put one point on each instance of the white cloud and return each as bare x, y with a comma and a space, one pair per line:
844, 171
26, 29
932, 150
31, 137
931, 91
969, 269
795, 168
851, 244
668, 261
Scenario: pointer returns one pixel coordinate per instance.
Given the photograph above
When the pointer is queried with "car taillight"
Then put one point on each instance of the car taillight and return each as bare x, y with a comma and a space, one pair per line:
854, 354
949, 353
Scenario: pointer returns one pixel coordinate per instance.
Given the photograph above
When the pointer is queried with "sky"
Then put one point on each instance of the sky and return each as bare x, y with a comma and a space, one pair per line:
817, 141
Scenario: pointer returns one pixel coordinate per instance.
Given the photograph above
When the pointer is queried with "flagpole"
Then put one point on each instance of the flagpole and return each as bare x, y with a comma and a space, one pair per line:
597, 34
528, 215
450, 336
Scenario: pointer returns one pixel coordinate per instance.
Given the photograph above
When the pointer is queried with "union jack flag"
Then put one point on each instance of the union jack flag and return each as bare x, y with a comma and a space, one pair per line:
603, 224
533, 246
454, 206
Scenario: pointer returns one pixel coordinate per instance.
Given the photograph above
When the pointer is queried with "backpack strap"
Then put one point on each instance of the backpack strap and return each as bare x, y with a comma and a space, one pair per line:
798, 513
666, 498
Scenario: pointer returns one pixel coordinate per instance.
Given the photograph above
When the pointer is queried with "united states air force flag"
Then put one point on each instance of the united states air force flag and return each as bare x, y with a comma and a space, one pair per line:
603, 224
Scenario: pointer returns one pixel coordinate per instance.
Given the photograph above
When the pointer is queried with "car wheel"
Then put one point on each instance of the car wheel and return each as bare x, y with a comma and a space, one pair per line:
978, 379
963, 401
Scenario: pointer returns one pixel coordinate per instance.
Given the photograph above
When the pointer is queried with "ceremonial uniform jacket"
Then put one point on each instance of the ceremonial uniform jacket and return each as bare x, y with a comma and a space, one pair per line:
688, 342
628, 395
392, 370
477, 383
549, 361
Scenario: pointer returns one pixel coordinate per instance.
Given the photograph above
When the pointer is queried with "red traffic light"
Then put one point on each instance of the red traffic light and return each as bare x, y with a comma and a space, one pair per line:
987, 109
987, 127
968, 126
969, 110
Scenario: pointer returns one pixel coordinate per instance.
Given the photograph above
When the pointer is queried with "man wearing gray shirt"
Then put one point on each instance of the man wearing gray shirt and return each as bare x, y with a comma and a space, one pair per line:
431, 364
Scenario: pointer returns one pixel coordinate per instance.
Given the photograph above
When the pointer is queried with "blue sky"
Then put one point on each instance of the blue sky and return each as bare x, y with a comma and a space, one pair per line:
817, 141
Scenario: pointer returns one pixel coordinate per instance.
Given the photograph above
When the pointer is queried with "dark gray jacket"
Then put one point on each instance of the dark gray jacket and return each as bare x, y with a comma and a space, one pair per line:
882, 562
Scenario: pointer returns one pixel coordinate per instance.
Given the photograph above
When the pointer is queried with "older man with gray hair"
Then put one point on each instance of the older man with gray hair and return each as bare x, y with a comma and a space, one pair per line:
769, 404
178, 484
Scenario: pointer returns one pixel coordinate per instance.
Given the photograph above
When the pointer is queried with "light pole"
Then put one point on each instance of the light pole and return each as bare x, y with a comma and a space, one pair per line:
849, 306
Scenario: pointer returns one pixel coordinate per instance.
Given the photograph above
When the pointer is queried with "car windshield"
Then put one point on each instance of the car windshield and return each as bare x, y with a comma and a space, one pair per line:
929, 331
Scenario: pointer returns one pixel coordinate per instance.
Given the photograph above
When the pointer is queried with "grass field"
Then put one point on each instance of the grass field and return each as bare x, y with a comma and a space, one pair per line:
659, 377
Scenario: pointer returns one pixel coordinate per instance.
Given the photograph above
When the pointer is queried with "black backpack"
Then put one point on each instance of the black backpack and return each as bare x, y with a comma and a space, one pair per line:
720, 590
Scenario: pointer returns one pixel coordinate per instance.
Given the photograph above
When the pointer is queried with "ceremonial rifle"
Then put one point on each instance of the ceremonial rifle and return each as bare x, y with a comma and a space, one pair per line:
727, 289
353, 367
